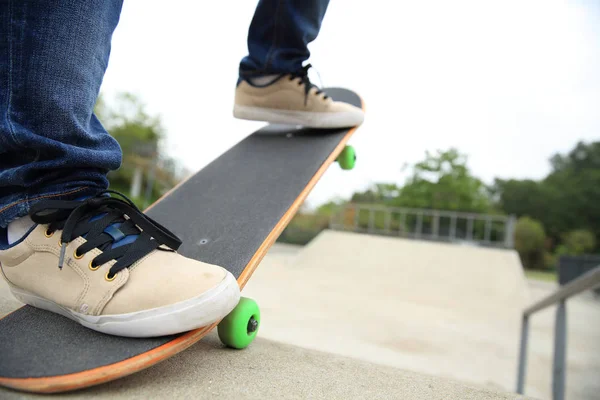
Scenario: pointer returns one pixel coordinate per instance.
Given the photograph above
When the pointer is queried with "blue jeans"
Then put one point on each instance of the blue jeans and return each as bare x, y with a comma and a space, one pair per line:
279, 34
53, 55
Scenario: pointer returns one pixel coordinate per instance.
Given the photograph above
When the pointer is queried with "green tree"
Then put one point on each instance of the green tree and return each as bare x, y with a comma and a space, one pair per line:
521, 197
443, 181
529, 242
329, 208
140, 136
574, 185
567, 199
577, 242
379, 193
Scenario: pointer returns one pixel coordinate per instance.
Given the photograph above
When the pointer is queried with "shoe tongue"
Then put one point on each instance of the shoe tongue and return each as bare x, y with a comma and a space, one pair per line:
113, 230
126, 240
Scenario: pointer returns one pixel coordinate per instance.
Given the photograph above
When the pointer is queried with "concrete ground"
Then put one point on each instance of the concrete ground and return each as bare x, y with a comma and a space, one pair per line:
270, 370
445, 310
352, 316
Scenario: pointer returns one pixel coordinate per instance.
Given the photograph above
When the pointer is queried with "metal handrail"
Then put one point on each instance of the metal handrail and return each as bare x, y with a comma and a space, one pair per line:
587, 281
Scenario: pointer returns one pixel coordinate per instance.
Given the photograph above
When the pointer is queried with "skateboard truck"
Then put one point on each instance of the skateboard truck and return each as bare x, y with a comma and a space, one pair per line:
252, 325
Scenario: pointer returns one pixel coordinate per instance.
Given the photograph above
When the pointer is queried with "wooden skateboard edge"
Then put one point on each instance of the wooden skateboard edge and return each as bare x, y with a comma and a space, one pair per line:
111, 372
289, 214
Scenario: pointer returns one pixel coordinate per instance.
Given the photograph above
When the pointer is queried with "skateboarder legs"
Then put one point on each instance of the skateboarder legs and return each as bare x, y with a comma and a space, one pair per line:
273, 84
65, 245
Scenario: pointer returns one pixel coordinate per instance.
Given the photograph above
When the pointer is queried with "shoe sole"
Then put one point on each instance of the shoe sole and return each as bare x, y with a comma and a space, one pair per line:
184, 316
304, 118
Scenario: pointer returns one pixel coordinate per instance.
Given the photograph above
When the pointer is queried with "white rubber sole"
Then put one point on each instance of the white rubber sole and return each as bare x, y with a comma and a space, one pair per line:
304, 118
184, 316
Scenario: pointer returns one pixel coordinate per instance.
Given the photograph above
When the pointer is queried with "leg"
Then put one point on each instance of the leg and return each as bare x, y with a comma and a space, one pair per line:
52, 60
79, 247
273, 86
279, 35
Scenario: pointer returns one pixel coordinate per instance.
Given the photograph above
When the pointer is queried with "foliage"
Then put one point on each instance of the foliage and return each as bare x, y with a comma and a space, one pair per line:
136, 131
567, 199
380, 193
329, 208
140, 136
577, 242
520, 197
303, 228
529, 242
575, 181
441, 181
565, 205
548, 276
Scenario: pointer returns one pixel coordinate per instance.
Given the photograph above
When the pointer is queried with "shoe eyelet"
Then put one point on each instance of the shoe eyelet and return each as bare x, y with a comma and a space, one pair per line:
77, 257
48, 234
92, 267
108, 278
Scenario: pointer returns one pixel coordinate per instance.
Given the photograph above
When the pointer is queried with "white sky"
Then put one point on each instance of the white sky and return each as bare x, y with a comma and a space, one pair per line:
509, 83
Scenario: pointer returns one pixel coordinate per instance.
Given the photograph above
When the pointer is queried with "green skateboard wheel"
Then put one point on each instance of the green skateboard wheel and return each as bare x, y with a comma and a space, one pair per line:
238, 329
347, 158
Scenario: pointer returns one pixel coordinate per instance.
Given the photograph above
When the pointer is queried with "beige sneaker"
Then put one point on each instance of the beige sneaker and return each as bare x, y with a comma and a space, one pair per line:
292, 99
87, 261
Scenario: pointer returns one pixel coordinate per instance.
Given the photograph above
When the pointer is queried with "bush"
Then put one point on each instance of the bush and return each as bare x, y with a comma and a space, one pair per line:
550, 260
303, 228
529, 242
577, 242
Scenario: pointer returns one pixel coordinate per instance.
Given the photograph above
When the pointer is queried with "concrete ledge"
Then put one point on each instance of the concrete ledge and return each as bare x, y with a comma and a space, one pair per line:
272, 370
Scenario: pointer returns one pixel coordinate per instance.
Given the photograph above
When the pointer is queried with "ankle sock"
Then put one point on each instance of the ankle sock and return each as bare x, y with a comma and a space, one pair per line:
18, 228
262, 80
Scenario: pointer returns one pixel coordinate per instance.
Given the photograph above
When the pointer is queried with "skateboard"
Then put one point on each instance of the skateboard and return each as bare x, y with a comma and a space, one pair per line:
229, 213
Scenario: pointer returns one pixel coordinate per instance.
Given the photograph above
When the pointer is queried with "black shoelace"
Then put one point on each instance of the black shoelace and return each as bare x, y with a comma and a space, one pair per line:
304, 80
104, 221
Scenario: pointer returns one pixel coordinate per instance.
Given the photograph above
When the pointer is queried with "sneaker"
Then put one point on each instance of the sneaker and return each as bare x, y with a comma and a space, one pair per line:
292, 99
103, 263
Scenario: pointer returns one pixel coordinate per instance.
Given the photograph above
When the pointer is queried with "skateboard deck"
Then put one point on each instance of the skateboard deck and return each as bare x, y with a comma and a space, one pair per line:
229, 214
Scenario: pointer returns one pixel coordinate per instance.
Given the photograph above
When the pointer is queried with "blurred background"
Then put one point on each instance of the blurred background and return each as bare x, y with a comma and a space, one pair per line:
482, 128
472, 106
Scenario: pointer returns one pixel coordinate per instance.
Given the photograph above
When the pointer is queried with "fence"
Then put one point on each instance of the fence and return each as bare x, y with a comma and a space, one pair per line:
425, 224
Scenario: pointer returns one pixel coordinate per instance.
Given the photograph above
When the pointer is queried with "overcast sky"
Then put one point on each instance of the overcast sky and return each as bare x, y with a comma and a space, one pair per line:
509, 83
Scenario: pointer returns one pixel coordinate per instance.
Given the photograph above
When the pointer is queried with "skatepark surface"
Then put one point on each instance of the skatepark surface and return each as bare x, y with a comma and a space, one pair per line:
358, 316
272, 370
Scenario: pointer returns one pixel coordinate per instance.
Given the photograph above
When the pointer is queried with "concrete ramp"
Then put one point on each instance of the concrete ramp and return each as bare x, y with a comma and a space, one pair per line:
466, 279
446, 310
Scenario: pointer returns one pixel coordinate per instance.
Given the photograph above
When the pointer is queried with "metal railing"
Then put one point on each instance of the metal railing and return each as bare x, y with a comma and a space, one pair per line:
439, 225
588, 281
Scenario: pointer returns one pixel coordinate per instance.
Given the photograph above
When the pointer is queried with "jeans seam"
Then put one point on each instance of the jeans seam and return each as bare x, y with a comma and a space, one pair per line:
11, 128
270, 54
46, 196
